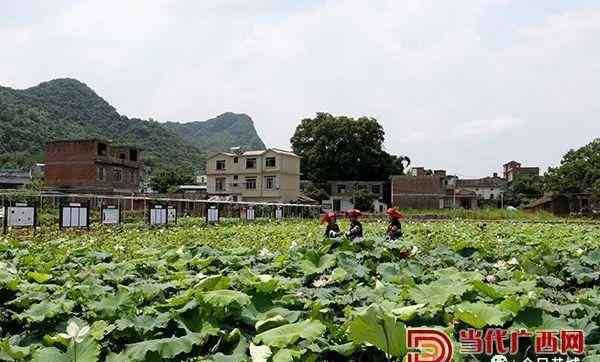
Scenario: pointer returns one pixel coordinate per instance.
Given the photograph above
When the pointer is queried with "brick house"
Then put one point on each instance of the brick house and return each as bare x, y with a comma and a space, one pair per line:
420, 189
513, 169
92, 166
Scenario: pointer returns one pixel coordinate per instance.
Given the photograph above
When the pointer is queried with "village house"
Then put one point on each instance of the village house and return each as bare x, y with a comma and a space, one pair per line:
488, 190
14, 179
271, 175
342, 195
434, 189
92, 166
513, 169
563, 204
419, 189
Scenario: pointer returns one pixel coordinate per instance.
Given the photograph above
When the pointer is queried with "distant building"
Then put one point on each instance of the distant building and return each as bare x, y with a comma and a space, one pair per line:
513, 169
93, 166
342, 194
564, 204
488, 189
191, 189
14, 179
271, 175
201, 180
420, 189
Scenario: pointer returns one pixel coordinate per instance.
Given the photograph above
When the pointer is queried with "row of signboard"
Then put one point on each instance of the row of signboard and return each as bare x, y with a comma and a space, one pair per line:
77, 215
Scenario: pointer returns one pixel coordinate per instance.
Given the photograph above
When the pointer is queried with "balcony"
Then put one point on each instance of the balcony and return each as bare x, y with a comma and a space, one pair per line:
118, 161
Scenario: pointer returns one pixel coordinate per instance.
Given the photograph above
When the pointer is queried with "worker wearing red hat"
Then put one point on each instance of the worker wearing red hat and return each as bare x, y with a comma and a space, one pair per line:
332, 230
356, 229
394, 230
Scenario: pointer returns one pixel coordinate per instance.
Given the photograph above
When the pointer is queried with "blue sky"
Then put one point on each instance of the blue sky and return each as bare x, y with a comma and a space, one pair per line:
460, 85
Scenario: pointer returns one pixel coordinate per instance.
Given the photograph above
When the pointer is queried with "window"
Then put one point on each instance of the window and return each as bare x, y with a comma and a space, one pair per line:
250, 183
220, 164
102, 149
376, 189
235, 177
235, 160
251, 163
270, 162
341, 189
117, 175
491, 196
269, 182
220, 184
121, 156
133, 155
100, 173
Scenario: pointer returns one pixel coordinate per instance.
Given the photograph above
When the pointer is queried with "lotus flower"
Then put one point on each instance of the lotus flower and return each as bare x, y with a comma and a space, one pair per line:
75, 333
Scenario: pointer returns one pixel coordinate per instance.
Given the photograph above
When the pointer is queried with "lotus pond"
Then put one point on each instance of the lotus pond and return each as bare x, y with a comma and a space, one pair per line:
275, 291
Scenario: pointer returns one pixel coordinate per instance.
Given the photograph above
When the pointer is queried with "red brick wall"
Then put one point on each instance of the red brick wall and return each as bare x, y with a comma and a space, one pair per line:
74, 165
70, 151
417, 185
71, 174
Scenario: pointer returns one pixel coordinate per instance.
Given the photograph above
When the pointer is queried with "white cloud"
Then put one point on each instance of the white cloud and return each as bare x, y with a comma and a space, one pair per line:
485, 127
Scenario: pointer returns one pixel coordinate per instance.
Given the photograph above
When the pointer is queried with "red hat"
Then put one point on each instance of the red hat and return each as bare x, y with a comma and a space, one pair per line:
394, 214
328, 217
353, 213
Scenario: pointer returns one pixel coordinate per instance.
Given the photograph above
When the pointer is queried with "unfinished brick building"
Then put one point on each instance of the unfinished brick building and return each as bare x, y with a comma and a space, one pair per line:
419, 190
92, 166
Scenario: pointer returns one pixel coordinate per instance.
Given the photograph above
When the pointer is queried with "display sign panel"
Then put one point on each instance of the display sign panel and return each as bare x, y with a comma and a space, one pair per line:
74, 215
158, 215
279, 213
21, 216
171, 215
111, 215
250, 213
212, 214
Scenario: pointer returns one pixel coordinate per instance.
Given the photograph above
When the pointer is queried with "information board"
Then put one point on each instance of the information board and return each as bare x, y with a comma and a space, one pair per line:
171, 215
158, 215
111, 215
212, 215
279, 213
74, 215
250, 213
19, 215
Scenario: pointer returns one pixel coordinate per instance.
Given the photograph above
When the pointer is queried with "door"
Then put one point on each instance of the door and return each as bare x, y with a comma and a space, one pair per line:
337, 205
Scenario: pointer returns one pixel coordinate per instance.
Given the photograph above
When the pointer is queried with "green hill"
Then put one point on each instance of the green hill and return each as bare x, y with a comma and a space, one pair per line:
220, 133
68, 109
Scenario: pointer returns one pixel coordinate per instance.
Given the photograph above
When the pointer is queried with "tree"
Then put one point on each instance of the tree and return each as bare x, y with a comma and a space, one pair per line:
316, 193
166, 180
363, 199
522, 189
579, 170
344, 148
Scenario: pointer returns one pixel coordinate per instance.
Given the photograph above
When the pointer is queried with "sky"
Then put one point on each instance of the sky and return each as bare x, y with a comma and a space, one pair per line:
458, 85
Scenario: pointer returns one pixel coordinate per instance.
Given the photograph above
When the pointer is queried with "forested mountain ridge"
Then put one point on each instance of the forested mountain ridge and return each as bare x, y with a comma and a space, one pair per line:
69, 109
216, 134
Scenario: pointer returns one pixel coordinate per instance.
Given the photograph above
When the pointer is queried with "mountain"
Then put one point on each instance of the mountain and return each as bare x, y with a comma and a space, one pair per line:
220, 133
69, 109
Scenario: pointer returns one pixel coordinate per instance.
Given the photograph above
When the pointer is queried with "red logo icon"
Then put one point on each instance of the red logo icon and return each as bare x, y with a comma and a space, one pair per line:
432, 345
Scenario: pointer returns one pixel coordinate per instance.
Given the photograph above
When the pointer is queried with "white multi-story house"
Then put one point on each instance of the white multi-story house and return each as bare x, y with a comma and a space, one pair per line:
342, 195
270, 175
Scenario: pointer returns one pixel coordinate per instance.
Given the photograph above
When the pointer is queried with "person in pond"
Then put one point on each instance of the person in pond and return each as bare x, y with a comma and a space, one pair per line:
394, 230
332, 230
356, 229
